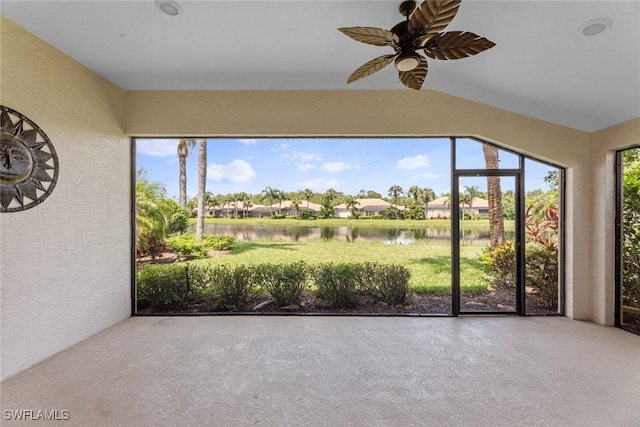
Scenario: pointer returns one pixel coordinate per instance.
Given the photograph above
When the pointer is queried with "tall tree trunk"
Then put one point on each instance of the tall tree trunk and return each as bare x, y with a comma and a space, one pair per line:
202, 182
494, 195
182, 156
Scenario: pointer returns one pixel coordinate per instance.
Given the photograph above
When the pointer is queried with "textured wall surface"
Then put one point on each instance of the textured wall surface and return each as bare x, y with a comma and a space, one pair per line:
65, 264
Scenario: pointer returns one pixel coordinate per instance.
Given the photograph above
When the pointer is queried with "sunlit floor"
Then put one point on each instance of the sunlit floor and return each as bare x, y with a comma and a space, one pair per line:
336, 371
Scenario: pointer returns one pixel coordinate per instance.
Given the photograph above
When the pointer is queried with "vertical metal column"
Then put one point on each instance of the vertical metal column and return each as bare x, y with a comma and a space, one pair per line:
455, 234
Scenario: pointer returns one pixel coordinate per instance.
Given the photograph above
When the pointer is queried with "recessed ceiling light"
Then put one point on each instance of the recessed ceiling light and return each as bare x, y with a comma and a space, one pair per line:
595, 26
170, 7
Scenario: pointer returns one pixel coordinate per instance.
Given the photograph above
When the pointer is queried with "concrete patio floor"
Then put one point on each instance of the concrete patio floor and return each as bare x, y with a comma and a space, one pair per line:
338, 371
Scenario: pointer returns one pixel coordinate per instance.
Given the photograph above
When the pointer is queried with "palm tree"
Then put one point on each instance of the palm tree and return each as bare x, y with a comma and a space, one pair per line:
217, 201
280, 197
331, 195
362, 194
202, 187
150, 219
184, 147
228, 199
192, 206
246, 204
307, 194
395, 191
351, 203
295, 203
472, 193
269, 194
415, 192
428, 195
494, 198
236, 198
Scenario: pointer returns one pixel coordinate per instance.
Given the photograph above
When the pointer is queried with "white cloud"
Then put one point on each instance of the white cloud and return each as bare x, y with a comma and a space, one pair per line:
415, 162
236, 171
279, 148
303, 157
157, 147
248, 141
335, 166
320, 184
303, 167
426, 175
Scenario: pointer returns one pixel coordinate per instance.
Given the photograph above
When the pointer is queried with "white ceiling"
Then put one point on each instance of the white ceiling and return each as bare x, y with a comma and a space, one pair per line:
541, 66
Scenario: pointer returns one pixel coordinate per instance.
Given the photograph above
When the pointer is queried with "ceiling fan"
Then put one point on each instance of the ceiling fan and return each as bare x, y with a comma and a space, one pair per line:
421, 31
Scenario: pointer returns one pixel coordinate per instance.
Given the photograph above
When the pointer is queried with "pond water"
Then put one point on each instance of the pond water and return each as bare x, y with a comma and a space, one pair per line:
389, 235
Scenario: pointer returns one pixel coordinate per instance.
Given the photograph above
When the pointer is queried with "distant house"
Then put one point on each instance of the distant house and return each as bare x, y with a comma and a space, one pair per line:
366, 207
289, 210
228, 210
441, 208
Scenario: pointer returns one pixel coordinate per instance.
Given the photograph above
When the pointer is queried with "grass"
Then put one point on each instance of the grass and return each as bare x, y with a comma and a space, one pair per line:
430, 264
348, 222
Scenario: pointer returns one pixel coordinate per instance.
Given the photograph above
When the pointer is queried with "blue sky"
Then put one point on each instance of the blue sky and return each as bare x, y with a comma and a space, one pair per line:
345, 164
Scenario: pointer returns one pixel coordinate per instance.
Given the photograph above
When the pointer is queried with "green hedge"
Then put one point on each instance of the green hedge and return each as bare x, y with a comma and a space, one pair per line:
233, 288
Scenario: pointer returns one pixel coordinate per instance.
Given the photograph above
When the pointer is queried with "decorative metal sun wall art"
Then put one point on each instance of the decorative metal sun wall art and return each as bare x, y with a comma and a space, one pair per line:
28, 163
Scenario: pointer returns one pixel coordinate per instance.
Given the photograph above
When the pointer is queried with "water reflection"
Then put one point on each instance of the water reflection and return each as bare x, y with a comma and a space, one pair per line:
389, 235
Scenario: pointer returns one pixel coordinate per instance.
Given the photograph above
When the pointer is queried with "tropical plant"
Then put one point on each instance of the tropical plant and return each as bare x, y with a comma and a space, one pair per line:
631, 228
467, 197
415, 192
351, 203
395, 191
151, 221
295, 203
428, 195
270, 195
307, 194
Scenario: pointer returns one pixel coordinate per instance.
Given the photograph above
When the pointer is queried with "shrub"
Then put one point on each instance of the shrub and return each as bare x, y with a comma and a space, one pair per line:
218, 243
304, 213
185, 246
159, 286
284, 282
542, 272
388, 283
541, 258
500, 264
179, 222
235, 286
338, 284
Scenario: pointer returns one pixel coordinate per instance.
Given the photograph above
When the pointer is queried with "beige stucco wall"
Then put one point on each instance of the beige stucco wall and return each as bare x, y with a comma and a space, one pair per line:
65, 264
384, 113
604, 145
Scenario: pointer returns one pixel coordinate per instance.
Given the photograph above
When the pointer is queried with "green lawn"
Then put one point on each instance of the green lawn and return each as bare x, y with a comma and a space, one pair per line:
430, 264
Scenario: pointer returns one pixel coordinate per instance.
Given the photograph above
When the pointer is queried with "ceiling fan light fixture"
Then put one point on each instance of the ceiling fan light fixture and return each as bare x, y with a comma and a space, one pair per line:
407, 61
169, 7
594, 27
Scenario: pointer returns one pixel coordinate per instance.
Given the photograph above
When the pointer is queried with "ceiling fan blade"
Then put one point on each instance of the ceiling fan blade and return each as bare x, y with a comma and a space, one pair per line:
371, 35
456, 45
432, 16
413, 79
371, 67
